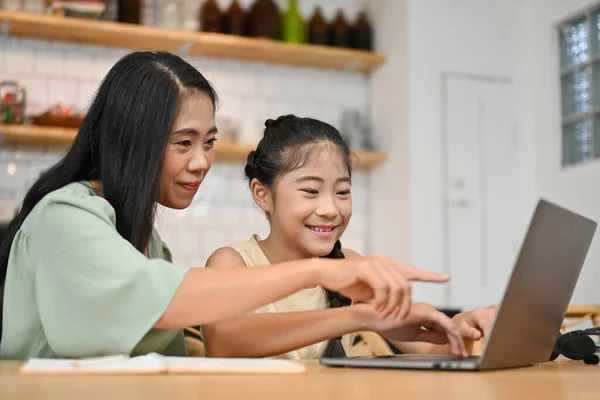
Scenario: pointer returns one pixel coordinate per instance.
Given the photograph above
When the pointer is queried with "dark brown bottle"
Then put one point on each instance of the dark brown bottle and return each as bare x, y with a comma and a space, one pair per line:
263, 19
362, 33
340, 32
318, 30
234, 22
211, 19
129, 11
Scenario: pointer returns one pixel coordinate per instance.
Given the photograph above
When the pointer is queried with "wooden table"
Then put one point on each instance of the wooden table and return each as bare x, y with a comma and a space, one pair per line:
558, 380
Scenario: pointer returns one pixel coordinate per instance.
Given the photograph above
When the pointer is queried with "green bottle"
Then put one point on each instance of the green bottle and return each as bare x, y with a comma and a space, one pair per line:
292, 24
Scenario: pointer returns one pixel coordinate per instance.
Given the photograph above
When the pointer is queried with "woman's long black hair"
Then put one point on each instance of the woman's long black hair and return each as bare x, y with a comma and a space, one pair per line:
121, 142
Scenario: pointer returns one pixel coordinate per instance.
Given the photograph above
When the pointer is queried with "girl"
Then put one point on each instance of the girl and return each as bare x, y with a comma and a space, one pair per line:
83, 272
300, 176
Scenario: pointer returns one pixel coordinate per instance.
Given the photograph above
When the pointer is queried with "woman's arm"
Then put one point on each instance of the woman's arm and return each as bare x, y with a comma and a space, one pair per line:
208, 295
84, 264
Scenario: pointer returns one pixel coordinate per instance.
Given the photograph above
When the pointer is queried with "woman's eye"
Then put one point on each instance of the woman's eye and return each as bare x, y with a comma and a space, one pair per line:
211, 141
185, 143
344, 192
310, 191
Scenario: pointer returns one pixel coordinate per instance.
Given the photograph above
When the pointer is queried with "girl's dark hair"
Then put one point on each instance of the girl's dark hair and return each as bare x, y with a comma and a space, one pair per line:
334, 347
121, 142
289, 143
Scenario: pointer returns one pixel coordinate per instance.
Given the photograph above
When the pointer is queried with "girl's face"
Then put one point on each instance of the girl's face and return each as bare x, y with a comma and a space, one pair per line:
312, 205
189, 153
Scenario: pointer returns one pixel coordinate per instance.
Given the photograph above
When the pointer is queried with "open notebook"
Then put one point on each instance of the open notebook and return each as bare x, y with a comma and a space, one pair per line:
154, 363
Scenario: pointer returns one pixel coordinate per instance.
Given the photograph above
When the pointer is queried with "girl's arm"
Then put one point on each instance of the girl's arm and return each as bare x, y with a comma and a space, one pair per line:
471, 325
266, 335
270, 334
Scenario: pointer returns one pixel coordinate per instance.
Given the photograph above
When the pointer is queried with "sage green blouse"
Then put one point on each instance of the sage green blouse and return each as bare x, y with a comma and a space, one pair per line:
75, 288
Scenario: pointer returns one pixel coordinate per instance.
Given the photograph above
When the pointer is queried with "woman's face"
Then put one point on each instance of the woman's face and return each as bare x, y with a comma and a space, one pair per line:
189, 153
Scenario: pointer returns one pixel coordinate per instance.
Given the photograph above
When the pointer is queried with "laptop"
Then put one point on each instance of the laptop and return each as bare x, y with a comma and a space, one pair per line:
535, 301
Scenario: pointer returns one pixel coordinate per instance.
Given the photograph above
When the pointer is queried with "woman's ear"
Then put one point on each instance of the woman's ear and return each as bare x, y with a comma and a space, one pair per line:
262, 196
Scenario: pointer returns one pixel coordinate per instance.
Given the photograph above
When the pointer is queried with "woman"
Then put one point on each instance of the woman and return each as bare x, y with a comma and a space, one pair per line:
82, 269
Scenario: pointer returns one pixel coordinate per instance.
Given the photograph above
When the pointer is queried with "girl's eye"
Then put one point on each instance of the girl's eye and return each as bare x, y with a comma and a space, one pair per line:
211, 141
344, 192
310, 191
185, 143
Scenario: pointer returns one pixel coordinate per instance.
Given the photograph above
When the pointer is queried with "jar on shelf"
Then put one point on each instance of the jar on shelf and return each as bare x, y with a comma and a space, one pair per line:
211, 17
12, 102
264, 20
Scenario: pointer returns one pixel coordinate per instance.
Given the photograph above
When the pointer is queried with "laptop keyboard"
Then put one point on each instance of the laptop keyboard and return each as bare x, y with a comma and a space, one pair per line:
423, 357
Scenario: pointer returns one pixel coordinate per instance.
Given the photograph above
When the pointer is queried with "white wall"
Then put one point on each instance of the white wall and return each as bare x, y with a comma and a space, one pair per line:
576, 187
390, 183
424, 39
505, 38
249, 92
466, 36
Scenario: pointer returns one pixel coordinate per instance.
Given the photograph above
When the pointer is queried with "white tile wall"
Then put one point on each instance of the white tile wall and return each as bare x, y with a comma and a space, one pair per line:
223, 212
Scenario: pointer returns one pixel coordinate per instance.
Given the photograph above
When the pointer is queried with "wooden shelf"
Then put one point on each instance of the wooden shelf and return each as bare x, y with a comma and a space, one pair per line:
80, 30
37, 136
61, 138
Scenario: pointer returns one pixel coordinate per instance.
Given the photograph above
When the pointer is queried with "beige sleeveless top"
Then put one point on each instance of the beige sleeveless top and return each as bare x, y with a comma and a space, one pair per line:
304, 300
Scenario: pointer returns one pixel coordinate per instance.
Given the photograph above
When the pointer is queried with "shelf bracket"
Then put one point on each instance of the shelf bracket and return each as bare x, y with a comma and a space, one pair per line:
185, 48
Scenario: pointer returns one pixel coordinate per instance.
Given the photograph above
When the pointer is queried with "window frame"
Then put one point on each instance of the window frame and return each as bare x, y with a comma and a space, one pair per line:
591, 116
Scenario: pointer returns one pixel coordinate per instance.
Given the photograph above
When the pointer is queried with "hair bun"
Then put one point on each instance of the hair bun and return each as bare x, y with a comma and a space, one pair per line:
270, 122
250, 168
251, 156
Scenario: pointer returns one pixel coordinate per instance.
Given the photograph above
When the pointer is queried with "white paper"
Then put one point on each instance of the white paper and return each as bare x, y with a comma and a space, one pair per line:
156, 363
240, 365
